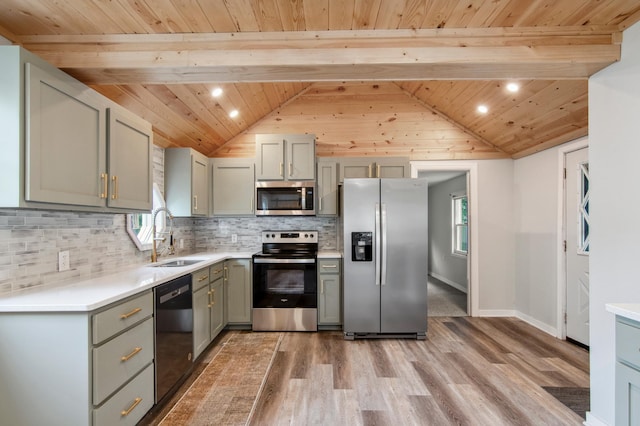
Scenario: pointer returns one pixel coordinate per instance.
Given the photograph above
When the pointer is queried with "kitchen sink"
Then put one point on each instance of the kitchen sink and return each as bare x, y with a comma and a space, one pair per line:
178, 262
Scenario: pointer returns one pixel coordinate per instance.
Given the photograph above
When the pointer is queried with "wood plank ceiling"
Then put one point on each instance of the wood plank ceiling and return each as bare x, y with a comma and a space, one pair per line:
368, 77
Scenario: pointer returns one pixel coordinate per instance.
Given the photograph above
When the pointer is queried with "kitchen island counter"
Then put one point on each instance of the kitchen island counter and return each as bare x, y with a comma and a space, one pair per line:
92, 293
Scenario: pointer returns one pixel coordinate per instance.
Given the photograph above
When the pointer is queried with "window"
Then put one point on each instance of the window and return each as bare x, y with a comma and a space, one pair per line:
583, 210
140, 225
460, 226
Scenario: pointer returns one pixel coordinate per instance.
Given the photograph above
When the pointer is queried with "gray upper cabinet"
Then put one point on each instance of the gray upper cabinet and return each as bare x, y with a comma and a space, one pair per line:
233, 186
327, 188
186, 174
285, 157
65, 146
384, 167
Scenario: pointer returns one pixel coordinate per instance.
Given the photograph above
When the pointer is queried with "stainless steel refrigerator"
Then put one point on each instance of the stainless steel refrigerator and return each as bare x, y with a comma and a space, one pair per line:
385, 257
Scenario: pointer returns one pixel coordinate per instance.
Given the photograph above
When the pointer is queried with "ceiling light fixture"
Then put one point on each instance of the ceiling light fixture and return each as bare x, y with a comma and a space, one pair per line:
216, 92
234, 113
482, 109
513, 87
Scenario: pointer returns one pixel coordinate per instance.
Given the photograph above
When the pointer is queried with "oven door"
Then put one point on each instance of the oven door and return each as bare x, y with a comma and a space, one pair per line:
284, 282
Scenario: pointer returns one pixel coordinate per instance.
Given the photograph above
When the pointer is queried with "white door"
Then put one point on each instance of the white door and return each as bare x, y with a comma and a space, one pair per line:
577, 244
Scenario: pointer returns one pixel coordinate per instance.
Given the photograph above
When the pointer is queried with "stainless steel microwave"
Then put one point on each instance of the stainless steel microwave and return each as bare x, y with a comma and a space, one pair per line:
277, 198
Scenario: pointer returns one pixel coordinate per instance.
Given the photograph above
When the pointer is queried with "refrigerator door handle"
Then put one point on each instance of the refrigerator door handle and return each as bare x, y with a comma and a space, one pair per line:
377, 247
383, 261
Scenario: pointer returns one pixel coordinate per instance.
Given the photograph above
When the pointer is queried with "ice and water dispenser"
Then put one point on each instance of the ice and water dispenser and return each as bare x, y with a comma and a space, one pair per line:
361, 250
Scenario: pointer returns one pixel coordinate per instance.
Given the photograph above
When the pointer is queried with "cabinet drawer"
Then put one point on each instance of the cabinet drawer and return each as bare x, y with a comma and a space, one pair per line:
628, 343
216, 271
200, 278
118, 360
121, 316
327, 266
129, 405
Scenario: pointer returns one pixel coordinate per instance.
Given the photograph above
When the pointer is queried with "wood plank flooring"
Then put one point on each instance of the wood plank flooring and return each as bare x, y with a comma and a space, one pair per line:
469, 371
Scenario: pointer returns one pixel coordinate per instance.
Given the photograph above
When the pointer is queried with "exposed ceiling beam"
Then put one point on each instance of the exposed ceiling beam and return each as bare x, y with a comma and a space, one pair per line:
488, 53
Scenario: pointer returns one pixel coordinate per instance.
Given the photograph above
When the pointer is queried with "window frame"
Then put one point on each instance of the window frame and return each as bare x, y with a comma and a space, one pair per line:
455, 226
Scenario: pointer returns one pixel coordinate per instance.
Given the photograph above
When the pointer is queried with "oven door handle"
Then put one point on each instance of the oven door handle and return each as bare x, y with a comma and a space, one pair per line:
261, 260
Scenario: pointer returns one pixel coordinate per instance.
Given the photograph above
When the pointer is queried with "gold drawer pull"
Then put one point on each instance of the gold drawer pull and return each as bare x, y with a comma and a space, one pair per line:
217, 271
131, 355
105, 185
203, 278
127, 315
330, 266
126, 412
114, 196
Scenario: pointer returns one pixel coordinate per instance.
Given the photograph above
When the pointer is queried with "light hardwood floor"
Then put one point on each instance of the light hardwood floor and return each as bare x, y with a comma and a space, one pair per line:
469, 371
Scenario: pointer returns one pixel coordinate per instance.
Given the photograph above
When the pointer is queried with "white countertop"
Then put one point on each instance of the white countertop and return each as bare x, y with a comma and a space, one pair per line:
627, 310
93, 293
89, 294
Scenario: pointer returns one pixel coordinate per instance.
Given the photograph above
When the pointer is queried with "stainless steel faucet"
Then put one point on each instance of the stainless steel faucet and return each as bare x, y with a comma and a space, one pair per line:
154, 252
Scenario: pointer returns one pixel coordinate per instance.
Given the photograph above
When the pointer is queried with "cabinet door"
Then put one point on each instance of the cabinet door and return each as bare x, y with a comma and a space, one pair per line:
233, 187
393, 168
238, 291
130, 164
200, 185
301, 157
65, 141
201, 315
269, 157
327, 189
356, 168
329, 292
216, 303
627, 395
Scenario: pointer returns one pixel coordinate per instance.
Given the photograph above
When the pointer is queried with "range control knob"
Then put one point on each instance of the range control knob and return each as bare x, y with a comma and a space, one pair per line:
306, 235
273, 235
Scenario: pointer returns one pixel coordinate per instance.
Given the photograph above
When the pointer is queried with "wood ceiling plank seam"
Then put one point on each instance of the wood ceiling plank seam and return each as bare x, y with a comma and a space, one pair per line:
316, 14
196, 97
144, 106
549, 13
438, 14
455, 123
462, 14
254, 99
463, 99
168, 15
267, 15
340, 15
291, 15
50, 16
131, 21
413, 15
270, 115
607, 11
162, 102
91, 18
146, 14
242, 14
21, 22
509, 15
389, 14
487, 13
218, 16
629, 20
194, 17
365, 14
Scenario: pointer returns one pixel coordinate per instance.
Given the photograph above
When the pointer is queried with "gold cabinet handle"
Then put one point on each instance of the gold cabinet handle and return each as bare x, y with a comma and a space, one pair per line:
290, 169
213, 297
195, 202
226, 270
126, 412
217, 271
209, 297
281, 169
128, 314
321, 286
202, 278
105, 185
330, 266
377, 170
114, 196
131, 355
370, 170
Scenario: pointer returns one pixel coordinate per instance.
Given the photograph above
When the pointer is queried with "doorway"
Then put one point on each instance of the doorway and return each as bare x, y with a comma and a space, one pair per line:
448, 243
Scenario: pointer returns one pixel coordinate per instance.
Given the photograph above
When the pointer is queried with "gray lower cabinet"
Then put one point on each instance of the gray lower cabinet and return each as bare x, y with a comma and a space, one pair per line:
627, 372
78, 368
327, 188
238, 289
65, 146
208, 306
329, 292
233, 186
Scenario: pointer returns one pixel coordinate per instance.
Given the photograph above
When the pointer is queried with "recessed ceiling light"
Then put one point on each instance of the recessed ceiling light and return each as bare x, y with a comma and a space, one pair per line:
482, 109
216, 92
234, 113
513, 87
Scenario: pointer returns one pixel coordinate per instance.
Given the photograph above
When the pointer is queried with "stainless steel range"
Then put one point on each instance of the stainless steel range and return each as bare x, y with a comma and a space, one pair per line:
284, 282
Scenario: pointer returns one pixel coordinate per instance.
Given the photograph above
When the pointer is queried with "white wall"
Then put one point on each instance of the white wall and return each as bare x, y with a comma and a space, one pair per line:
614, 150
443, 264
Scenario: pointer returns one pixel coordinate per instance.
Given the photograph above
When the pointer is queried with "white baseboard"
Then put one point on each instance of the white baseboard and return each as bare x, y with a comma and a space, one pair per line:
453, 284
537, 324
593, 420
495, 313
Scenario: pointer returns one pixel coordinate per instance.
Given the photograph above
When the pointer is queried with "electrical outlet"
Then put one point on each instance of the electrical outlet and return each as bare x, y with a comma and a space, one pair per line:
63, 260
181, 243
234, 238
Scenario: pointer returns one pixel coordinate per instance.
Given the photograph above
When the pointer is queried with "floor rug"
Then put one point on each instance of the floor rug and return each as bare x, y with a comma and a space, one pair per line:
577, 399
226, 390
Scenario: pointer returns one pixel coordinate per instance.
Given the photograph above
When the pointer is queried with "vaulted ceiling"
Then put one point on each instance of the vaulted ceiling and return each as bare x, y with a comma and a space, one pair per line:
366, 76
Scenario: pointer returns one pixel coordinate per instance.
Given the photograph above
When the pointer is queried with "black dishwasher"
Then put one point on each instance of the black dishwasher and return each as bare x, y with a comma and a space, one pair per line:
174, 334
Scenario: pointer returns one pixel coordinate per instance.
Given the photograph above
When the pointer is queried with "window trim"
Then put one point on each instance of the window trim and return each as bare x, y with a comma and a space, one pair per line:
455, 226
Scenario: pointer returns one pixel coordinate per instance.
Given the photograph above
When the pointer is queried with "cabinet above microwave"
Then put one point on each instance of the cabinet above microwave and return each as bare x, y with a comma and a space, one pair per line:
285, 157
